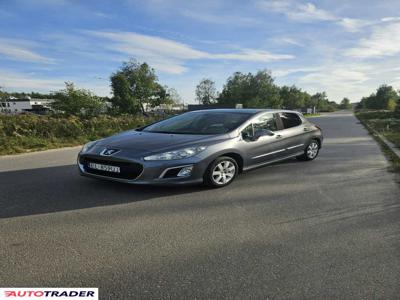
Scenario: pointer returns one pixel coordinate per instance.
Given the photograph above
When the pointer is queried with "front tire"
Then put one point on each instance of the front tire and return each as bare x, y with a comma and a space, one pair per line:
311, 151
221, 172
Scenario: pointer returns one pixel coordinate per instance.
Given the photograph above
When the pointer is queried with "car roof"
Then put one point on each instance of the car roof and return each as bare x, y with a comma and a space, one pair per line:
244, 110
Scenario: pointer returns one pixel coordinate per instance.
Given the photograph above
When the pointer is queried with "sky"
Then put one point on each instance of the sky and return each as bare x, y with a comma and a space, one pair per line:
346, 48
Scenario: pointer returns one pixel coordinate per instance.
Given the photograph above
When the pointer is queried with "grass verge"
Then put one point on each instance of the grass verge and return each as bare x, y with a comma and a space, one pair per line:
386, 124
311, 115
26, 133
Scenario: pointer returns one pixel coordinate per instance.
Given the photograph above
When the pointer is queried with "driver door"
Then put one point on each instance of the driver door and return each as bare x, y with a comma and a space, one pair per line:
267, 147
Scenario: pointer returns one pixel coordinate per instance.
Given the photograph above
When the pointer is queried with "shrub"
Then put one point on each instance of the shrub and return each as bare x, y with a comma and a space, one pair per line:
20, 133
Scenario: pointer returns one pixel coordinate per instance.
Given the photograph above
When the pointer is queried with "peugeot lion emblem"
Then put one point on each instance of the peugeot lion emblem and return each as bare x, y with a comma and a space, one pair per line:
108, 152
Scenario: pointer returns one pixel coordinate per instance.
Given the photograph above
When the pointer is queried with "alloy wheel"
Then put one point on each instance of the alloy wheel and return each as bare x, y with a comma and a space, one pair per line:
312, 150
223, 172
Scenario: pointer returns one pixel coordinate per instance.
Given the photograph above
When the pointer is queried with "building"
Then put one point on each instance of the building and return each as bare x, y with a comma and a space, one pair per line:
14, 105
164, 107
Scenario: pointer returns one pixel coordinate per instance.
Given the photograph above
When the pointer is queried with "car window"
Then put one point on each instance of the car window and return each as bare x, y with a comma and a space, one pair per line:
206, 122
264, 122
290, 120
248, 132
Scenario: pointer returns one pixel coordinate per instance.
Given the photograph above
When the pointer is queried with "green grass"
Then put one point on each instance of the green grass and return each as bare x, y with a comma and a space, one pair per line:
311, 115
26, 133
387, 124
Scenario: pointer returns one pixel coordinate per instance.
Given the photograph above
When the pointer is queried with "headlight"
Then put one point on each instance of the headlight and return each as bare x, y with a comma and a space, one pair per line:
88, 146
177, 154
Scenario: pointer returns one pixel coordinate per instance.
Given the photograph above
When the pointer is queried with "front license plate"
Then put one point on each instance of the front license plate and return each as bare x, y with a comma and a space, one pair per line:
106, 168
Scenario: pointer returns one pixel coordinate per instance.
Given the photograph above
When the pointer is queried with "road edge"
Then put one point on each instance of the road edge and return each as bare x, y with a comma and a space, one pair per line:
390, 151
39, 151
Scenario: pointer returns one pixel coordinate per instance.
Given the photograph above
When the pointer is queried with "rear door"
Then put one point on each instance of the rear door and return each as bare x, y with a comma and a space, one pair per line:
294, 132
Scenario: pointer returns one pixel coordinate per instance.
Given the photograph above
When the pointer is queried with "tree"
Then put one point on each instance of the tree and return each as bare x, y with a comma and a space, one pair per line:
173, 97
135, 85
322, 103
397, 110
123, 100
251, 90
384, 98
392, 104
292, 97
345, 103
206, 93
3, 98
74, 101
3, 95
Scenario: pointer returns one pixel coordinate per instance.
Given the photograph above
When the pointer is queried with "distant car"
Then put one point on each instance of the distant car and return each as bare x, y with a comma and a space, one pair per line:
207, 146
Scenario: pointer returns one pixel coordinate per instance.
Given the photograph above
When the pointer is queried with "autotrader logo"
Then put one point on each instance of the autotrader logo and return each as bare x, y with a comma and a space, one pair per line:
49, 293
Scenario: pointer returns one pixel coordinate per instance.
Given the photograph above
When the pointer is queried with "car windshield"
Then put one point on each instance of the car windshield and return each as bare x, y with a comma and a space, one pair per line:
200, 123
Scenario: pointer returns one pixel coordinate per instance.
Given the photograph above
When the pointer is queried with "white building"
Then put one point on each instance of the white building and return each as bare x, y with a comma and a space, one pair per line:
164, 107
14, 105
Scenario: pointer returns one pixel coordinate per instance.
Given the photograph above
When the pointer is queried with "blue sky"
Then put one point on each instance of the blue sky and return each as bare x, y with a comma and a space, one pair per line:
346, 48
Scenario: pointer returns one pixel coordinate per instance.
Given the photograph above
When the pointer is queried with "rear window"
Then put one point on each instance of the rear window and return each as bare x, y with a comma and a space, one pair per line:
290, 120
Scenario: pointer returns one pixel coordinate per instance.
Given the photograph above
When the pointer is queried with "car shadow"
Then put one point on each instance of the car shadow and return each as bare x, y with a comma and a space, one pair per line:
54, 189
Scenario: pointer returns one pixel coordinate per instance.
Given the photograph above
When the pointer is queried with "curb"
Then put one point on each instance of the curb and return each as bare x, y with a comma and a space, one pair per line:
39, 151
392, 147
389, 144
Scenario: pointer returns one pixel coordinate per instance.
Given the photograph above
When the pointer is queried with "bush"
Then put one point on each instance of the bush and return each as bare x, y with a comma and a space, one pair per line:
397, 110
376, 114
21, 133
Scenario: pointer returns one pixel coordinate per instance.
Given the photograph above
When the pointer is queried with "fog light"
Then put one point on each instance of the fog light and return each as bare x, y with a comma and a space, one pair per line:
185, 171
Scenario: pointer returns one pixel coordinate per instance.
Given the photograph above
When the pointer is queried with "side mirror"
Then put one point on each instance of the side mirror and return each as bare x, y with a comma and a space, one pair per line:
260, 133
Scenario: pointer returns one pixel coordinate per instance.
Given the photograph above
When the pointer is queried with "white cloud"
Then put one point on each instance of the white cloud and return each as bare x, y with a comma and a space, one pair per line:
289, 71
353, 80
251, 55
309, 11
221, 19
170, 56
338, 82
353, 25
306, 12
390, 19
23, 81
20, 50
290, 41
340, 75
10, 80
383, 41
134, 43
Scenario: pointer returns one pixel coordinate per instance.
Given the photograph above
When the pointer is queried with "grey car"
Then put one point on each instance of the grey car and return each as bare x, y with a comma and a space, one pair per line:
206, 146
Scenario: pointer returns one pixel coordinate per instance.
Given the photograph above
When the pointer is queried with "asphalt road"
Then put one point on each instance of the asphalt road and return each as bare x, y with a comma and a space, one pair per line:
326, 229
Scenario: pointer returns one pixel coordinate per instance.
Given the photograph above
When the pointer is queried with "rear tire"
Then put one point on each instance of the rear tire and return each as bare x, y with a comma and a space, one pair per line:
221, 172
311, 151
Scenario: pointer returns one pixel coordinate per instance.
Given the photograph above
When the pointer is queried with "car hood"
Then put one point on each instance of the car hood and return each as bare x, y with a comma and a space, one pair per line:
156, 142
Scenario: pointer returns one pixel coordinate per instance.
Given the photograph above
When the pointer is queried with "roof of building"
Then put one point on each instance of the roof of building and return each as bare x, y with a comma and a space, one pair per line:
27, 100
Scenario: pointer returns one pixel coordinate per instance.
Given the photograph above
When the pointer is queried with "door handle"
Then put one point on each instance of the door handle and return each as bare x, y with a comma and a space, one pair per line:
306, 129
278, 136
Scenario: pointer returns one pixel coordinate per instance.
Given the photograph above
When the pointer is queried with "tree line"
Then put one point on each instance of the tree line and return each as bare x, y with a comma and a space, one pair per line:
136, 87
385, 98
260, 91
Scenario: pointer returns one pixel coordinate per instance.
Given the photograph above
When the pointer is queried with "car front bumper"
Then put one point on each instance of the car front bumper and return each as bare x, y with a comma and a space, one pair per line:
153, 172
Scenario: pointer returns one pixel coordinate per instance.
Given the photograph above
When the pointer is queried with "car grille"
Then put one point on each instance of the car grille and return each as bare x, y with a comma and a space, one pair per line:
128, 170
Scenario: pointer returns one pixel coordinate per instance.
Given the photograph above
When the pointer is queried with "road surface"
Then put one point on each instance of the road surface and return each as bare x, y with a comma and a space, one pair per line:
324, 229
